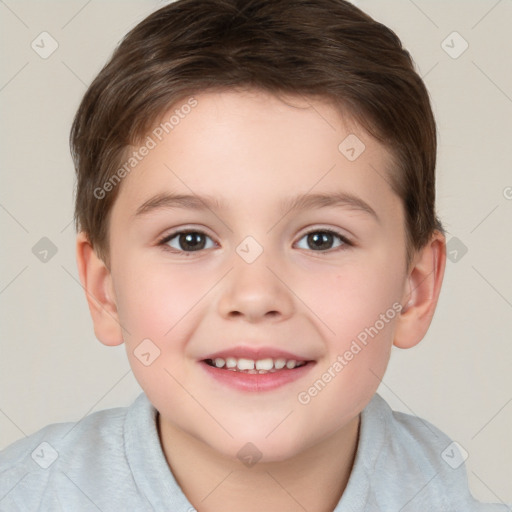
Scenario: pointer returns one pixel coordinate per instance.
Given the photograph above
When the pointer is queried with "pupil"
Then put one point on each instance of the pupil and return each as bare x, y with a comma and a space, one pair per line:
320, 240
192, 241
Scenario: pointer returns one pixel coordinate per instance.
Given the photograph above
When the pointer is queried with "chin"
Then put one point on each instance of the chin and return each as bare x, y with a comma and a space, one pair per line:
253, 443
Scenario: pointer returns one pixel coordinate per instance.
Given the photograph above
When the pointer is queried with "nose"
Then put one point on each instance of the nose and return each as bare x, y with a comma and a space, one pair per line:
255, 292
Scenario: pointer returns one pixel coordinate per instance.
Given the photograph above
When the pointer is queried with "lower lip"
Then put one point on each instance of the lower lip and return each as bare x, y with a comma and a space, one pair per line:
256, 381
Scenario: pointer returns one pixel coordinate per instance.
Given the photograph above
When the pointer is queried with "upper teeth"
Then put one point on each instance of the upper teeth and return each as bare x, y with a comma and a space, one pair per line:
251, 364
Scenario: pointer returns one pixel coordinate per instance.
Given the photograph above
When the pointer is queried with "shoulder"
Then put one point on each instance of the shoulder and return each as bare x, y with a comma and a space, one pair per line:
71, 456
53, 442
411, 464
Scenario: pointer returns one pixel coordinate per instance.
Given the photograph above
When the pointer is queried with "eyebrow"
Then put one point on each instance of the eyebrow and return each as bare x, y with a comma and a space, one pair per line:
299, 202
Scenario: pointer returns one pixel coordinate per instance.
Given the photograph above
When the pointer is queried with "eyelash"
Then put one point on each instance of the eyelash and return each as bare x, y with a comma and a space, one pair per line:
167, 238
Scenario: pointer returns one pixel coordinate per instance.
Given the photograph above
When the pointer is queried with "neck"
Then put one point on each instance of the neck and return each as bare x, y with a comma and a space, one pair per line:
314, 479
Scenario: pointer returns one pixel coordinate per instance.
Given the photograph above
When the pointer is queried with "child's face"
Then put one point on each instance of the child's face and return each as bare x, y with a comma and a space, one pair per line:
259, 282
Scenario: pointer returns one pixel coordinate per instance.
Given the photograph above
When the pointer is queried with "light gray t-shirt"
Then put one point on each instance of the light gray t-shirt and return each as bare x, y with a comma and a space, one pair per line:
112, 460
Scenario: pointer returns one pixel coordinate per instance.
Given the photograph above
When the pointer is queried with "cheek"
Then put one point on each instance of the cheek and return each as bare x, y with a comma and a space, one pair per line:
158, 308
357, 307
358, 311
153, 299
353, 296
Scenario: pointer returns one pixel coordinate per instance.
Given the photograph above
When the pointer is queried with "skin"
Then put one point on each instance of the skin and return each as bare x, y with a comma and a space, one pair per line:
252, 150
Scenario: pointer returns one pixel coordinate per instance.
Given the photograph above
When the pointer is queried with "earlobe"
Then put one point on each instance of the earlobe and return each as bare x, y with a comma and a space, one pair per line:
96, 280
422, 292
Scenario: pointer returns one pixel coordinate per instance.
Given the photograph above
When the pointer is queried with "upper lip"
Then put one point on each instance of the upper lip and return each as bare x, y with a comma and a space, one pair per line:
255, 354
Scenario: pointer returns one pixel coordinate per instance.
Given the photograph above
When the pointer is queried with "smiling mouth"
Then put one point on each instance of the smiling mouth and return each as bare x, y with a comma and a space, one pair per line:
252, 366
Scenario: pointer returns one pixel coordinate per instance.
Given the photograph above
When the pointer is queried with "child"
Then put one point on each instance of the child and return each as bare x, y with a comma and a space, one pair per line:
256, 213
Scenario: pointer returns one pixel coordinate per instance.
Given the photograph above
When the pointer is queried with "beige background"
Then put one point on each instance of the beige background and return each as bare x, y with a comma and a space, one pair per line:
52, 368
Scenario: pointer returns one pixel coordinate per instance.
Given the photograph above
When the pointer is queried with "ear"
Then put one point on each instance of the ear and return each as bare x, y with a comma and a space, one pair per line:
421, 292
96, 280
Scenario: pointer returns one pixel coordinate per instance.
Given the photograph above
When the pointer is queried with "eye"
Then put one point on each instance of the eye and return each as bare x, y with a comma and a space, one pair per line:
187, 241
323, 240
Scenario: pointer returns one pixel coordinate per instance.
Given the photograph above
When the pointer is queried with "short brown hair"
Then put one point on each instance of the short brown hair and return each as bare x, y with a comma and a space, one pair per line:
312, 48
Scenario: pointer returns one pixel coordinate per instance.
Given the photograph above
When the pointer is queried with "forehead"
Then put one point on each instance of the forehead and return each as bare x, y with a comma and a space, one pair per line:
253, 148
